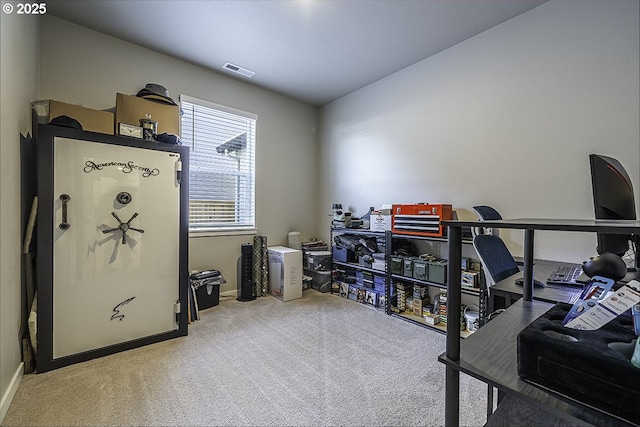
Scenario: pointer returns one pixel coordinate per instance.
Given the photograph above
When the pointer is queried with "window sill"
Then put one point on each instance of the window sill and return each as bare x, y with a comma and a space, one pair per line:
217, 233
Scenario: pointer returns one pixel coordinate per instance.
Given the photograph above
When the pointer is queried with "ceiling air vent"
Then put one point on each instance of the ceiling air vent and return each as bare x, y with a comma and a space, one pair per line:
238, 70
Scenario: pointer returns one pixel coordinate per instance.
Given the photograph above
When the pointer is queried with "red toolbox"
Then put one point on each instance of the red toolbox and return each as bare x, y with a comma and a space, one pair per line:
420, 219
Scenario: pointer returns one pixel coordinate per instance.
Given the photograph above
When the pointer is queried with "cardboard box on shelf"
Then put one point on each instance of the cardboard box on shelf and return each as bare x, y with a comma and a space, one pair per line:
379, 221
91, 120
418, 304
130, 109
470, 279
431, 319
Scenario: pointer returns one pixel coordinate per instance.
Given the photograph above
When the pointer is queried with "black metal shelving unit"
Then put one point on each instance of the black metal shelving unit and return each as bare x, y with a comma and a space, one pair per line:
356, 266
442, 327
388, 237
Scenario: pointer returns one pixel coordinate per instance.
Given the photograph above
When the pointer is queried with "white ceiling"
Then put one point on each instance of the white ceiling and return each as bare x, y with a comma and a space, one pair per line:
312, 50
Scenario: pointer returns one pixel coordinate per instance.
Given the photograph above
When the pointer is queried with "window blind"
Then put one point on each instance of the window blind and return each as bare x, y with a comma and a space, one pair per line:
221, 165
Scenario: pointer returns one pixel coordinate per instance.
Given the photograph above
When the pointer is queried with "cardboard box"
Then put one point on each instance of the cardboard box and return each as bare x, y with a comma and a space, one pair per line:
385, 209
470, 279
285, 273
130, 109
379, 222
431, 319
90, 119
418, 304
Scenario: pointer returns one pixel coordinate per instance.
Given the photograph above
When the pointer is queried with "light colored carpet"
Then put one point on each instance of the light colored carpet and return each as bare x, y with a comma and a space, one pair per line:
320, 360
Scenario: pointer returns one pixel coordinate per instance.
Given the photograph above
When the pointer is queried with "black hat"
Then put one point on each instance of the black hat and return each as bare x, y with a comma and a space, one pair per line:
168, 138
66, 121
156, 92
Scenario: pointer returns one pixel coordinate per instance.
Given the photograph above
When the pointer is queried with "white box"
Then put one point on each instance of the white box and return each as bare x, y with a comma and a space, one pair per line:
379, 222
379, 262
285, 273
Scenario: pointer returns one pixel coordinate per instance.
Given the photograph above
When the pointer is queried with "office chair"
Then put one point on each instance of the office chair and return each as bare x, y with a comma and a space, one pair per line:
495, 258
497, 263
499, 260
486, 213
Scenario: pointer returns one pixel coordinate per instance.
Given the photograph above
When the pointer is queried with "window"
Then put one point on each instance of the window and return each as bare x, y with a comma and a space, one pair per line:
221, 165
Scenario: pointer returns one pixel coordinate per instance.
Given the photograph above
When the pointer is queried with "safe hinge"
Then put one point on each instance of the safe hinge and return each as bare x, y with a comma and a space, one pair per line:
176, 307
179, 172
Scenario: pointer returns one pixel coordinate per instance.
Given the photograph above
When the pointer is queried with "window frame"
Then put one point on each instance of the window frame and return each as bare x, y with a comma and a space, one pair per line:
235, 229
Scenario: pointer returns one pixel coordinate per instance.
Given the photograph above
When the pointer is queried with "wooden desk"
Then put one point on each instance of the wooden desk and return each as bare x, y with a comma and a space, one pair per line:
489, 354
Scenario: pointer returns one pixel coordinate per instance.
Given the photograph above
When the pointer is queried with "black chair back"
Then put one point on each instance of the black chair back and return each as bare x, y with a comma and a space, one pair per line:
495, 257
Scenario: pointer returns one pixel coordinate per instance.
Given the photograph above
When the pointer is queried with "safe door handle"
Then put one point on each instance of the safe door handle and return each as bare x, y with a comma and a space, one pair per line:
64, 225
123, 226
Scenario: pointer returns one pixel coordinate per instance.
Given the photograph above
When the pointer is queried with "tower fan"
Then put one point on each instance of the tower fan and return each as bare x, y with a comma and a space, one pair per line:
246, 291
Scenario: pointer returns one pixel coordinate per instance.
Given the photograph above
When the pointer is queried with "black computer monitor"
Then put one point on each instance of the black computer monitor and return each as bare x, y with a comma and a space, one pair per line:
613, 198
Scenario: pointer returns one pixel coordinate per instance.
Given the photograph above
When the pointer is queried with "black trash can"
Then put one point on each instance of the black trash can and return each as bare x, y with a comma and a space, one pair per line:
206, 285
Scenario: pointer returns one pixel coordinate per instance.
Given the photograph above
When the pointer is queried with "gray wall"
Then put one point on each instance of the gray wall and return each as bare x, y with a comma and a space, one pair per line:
506, 118
48, 58
79, 65
19, 86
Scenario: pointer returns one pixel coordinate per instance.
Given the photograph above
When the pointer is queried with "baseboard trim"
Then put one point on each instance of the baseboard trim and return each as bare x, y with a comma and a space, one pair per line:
11, 391
229, 294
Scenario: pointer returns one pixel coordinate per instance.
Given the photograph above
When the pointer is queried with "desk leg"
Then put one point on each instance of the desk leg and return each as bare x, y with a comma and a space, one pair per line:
527, 284
489, 401
452, 397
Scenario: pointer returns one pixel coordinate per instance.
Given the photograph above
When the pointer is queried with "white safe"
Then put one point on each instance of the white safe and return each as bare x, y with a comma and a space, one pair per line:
112, 244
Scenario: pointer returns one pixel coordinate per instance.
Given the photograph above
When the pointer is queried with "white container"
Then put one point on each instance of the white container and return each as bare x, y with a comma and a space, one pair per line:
379, 262
293, 240
285, 273
472, 317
